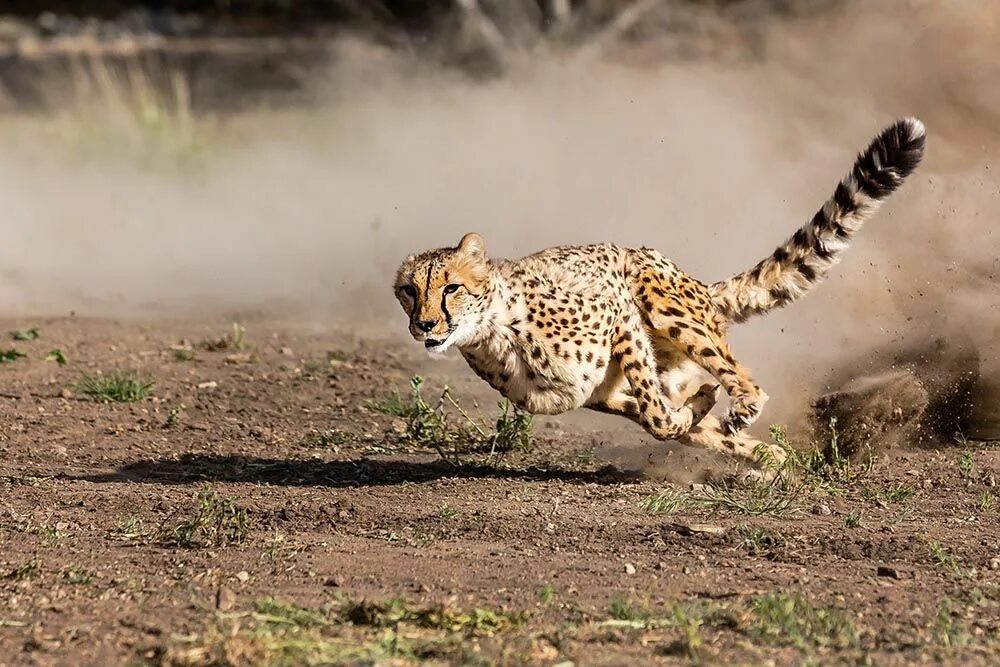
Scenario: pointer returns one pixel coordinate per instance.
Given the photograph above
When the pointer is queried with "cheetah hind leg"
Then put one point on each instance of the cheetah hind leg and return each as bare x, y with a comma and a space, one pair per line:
679, 385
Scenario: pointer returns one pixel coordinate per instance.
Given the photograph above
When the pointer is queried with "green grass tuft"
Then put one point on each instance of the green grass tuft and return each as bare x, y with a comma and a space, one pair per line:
11, 355
623, 609
117, 387
792, 620
776, 497
289, 614
668, 501
432, 426
57, 356
24, 334
26, 570
216, 522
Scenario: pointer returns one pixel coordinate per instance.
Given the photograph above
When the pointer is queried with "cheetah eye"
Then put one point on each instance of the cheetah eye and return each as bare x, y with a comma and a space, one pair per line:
408, 291
451, 289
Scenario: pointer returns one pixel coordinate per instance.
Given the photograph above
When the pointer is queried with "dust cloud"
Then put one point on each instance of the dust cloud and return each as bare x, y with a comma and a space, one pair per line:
713, 156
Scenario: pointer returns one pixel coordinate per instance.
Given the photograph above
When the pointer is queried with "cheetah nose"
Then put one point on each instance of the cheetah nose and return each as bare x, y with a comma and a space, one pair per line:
426, 325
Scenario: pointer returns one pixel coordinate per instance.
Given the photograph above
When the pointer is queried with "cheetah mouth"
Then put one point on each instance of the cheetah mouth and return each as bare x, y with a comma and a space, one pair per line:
430, 343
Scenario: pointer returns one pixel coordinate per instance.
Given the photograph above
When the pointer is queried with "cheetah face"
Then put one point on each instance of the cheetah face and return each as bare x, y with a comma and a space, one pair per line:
444, 292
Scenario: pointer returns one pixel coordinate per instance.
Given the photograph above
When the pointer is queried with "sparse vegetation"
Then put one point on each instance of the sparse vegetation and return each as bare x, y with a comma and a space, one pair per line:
894, 493
172, 417
26, 570
78, 576
623, 609
824, 468
966, 464
57, 356
24, 334
853, 519
757, 540
130, 527
127, 110
668, 501
778, 496
987, 501
115, 387
793, 620
475, 622
217, 521
948, 629
11, 355
447, 512
943, 557
353, 632
431, 426
546, 593
234, 339
332, 438
52, 533
281, 612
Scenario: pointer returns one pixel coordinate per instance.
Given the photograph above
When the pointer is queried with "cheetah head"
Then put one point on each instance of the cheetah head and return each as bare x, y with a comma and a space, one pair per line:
445, 293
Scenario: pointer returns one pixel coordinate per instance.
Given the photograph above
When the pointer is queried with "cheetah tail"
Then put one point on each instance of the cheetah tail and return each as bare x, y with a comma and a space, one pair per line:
804, 260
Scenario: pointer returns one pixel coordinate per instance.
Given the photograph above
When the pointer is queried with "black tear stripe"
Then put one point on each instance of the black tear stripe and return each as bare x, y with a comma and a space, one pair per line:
444, 309
416, 301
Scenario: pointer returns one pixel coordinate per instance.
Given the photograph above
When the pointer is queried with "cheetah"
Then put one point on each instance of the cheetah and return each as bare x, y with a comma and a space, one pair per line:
623, 330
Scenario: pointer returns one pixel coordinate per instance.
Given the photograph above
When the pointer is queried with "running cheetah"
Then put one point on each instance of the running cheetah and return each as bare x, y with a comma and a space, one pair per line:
623, 330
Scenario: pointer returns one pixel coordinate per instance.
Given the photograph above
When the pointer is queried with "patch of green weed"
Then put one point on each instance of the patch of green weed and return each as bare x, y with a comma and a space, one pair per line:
115, 387
792, 620
216, 522
24, 334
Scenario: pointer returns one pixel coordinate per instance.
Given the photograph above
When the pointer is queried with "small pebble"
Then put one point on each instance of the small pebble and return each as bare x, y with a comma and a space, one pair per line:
243, 576
629, 568
995, 563
821, 509
225, 599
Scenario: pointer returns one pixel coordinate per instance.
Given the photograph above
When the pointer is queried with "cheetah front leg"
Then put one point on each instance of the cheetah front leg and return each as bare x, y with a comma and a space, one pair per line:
680, 383
647, 405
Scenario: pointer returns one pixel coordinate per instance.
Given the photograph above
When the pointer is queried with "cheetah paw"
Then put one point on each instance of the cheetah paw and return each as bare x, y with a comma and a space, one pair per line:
743, 411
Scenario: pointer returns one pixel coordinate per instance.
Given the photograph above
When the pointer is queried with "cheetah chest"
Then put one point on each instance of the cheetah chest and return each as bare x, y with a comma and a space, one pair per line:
542, 365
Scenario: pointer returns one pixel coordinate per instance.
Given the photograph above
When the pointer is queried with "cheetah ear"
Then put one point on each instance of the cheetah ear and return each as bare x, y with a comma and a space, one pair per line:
472, 244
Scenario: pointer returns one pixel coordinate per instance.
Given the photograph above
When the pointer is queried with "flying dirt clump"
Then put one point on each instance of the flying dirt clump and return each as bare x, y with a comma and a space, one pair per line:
895, 398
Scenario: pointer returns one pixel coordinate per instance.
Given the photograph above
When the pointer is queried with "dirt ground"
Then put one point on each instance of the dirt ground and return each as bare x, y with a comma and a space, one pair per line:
332, 539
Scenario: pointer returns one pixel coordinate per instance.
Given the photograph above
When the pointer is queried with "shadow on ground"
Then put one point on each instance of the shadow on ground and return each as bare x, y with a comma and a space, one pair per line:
350, 473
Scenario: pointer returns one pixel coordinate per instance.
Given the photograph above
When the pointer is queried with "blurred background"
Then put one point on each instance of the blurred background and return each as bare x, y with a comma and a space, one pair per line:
282, 156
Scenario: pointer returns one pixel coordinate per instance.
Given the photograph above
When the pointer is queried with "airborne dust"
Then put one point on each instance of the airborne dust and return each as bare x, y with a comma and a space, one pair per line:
712, 155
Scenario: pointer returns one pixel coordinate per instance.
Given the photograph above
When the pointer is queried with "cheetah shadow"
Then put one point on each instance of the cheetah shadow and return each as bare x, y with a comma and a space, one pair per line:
338, 474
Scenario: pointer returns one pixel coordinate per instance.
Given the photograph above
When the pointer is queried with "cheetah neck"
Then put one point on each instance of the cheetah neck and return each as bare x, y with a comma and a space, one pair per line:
503, 302
492, 345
